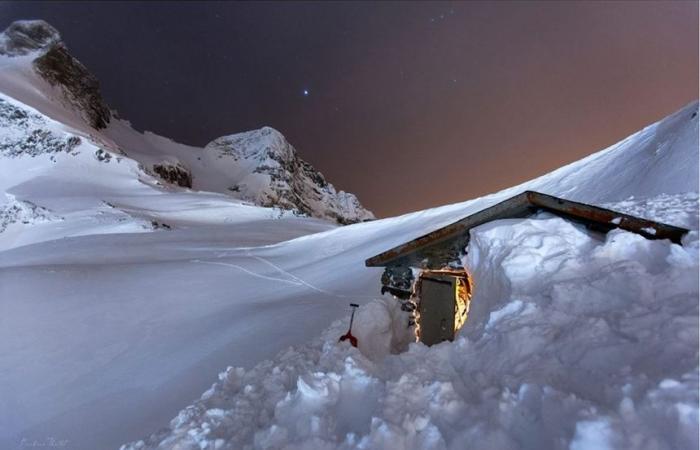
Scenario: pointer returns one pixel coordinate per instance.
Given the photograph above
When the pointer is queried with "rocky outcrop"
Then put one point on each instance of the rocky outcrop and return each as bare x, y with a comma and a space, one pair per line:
174, 173
27, 134
266, 170
80, 88
25, 36
13, 211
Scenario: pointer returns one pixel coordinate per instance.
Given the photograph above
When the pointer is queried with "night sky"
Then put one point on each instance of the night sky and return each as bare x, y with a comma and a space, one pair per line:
408, 105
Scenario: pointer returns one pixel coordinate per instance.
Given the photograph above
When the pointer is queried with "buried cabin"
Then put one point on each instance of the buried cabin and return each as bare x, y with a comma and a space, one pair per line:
427, 274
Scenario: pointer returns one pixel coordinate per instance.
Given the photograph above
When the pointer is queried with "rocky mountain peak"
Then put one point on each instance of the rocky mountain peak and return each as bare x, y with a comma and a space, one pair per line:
269, 172
26, 36
259, 144
80, 89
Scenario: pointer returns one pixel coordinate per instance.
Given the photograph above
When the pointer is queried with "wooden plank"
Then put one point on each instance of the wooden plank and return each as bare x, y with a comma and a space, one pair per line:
513, 207
444, 245
605, 219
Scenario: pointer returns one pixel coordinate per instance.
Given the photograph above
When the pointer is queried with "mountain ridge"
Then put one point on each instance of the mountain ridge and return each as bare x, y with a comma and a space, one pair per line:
291, 183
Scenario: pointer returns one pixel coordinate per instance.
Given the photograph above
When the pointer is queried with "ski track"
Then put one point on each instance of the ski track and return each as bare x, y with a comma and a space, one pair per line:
306, 283
295, 280
249, 272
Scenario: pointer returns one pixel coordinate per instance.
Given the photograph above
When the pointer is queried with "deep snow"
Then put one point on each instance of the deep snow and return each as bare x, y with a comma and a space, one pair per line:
125, 329
573, 341
111, 322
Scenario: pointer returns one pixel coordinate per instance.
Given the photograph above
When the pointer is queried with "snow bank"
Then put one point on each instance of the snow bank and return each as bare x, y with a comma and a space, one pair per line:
574, 340
86, 289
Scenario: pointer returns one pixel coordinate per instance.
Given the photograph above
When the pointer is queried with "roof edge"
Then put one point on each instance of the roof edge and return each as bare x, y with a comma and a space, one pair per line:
526, 204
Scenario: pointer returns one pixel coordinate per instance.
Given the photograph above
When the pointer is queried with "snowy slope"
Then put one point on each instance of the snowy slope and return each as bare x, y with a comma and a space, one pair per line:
106, 332
56, 182
134, 326
585, 345
573, 342
661, 158
37, 70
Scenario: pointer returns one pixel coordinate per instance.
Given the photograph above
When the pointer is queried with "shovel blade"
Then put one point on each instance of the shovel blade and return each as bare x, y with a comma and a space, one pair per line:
349, 337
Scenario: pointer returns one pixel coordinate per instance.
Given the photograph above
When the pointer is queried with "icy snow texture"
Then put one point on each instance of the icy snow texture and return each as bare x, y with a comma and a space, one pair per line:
572, 342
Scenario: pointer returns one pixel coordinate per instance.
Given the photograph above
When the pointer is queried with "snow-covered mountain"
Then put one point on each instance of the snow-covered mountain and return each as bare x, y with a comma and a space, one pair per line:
263, 168
123, 297
258, 167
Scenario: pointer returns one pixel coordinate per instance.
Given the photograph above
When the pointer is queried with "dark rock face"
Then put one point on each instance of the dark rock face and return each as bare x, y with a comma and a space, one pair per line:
174, 174
80, 87
25, 36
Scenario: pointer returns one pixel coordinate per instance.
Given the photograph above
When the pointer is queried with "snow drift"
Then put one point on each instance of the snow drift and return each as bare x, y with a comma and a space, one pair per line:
572, 342
123, 293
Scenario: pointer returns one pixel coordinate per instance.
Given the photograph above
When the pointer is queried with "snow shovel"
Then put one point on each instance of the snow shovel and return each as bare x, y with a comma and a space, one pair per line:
348, 336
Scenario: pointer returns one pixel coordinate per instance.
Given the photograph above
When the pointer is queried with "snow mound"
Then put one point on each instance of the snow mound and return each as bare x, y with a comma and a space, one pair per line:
573, 342
680, 208
262, 167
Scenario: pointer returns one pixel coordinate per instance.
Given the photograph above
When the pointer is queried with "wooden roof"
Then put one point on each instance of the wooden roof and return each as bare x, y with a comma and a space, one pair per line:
443, 246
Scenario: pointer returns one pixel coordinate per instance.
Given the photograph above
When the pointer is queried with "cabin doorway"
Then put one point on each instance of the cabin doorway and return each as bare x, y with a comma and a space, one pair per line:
443, 298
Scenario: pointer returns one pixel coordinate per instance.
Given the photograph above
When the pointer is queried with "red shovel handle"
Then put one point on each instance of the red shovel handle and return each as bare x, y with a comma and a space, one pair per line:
348, 335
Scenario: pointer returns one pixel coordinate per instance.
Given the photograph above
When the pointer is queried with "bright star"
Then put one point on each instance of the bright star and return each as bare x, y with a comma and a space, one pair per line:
305, 92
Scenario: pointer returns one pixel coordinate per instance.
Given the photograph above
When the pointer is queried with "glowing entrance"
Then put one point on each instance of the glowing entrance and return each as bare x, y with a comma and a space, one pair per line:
442, 300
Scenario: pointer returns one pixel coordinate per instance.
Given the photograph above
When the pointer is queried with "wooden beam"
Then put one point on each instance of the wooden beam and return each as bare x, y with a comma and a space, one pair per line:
442, 246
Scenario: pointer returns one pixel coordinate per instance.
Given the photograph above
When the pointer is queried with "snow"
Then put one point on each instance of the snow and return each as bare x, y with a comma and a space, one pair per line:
592, 434
133, 326
572, 342
262, 167
649, 230
269, 173
111, 322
